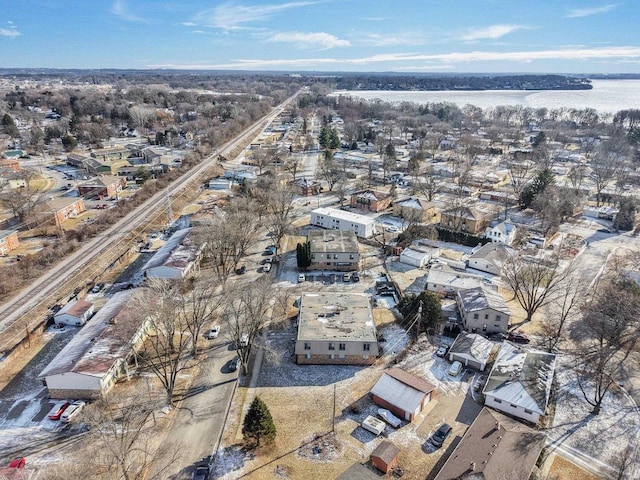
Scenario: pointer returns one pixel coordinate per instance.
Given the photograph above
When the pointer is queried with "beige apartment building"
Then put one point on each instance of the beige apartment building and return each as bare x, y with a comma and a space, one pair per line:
334, 250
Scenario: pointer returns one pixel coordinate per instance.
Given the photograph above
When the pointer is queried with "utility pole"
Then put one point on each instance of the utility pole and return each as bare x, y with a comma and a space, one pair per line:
333, 418
169, 210
418, 318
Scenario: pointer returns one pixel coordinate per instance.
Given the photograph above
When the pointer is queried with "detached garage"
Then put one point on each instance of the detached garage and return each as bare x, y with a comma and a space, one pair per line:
472, 350
402, 393
74, 313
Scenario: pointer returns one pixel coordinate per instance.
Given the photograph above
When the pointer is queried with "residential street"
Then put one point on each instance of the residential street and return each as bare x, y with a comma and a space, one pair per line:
199, 418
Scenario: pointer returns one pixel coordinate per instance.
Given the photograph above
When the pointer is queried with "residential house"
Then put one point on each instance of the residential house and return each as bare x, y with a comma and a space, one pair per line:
483, 310
494, 447
333, 250
465, 219
77, 160
472, 350
385, 456
99, 354
176, 259
499, 197
219, 184
357, 471
99, 167
490, 258
371, 200
102, 187
74, 313
335, 219
446, 281
520, 382
64, 208
307, 187
336, 328
503, 232
110, 154
8, 241
9, 166
415, 209
402, 393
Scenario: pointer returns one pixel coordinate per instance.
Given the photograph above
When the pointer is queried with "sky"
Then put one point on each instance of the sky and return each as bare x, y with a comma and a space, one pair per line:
501, 36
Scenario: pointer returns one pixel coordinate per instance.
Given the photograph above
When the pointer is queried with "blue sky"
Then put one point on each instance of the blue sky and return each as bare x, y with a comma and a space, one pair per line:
564, 36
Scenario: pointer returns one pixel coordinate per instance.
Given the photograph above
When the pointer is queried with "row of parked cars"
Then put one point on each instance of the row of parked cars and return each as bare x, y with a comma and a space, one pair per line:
66, 411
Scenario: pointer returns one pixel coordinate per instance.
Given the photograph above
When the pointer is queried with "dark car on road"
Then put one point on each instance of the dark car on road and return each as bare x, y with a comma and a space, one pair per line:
233, 364
241, 271
518, 338
441, 434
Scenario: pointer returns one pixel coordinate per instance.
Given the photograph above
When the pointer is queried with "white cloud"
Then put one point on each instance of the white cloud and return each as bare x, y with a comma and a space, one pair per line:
9, 32
492, 32
585, 12
605, 53
121, 9
321, 40
189, 24
391, 40
231, 16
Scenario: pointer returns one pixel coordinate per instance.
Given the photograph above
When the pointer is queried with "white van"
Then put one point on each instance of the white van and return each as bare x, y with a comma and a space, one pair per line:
74, 409
301, 277
244, 339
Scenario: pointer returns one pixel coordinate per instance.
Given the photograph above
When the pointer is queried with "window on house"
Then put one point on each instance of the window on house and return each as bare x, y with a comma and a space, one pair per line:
335, 257
307, 346
328, 264
475, 316
366, 347
307, 356
529, 412
366, 357
498, 318
341, 356
351, 257
486, 316
514, 406
332, 346
342, 346
497, 401
332, 356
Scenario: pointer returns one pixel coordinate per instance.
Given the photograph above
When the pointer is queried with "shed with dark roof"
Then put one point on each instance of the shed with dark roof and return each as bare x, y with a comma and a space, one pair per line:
402, 393
385, 456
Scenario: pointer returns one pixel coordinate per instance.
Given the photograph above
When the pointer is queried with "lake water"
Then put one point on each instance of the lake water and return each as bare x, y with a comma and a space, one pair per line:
606, 96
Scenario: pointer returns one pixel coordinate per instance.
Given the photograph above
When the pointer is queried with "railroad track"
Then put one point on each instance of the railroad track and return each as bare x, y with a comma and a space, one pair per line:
27, 309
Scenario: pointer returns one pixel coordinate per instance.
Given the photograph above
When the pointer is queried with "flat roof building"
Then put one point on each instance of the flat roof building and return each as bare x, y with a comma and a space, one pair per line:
335, 219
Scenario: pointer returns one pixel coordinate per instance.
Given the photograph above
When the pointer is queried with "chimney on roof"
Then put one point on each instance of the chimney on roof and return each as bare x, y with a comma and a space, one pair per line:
472, 466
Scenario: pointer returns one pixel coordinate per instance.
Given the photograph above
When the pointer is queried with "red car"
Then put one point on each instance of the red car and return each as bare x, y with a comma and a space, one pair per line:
58, 413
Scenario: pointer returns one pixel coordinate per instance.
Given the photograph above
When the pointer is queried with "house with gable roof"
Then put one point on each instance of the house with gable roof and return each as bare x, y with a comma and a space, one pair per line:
520, 382
177, 258
403, 393
503, 232
371, 200
472, 350
483, 310
489, 258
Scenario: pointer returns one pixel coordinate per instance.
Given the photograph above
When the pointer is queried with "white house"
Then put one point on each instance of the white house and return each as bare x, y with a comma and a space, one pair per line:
483, 310
97, 356
472, 350
446, 281
74, 313
503, 232
335, 219
418, 256
175, 259
489, 258
520, 382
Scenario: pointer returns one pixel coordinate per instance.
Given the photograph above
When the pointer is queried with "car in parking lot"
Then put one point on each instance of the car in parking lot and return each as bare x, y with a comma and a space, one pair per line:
266, 268
391, 229
97, 287
355, 277
73, 411
241, 271
58, 410
442, 351
200, 473
346, 277
301, 277
233, 364
214, 332
438, 438
455, 368
518, 338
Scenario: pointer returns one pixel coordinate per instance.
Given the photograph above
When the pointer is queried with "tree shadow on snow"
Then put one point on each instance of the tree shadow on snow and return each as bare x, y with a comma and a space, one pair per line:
231, 459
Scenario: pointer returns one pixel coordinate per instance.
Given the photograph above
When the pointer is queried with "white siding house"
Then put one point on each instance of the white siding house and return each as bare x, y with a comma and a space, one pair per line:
74, 313
175, 259
489, 258
504, 232
334, 219
415, 257
483, 310
520, 382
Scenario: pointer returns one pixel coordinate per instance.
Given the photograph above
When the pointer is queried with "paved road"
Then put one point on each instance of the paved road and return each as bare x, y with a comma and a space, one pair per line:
201, 414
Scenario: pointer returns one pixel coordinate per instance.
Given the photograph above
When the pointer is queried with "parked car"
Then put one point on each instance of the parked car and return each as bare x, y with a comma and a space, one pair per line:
442, 351
355, 277
266, 268
244, 339
74, 409
241, 271
346, 277
214, 332
233, 364
271, 249
201, 473
58, 410
389, 417
455, 368
97, 288
391, 229
518, 338
441, 435
301, 277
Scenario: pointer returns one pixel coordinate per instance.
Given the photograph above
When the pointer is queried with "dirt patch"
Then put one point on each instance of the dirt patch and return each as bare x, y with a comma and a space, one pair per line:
383, 316
563, 469
321, 448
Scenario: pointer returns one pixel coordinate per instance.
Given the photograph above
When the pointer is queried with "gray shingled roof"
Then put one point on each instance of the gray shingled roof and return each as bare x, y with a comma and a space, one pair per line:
479, 298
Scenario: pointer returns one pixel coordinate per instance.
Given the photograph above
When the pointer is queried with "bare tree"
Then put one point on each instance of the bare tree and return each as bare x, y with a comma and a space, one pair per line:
141, 116
279, 208
247, 313
605, 164
292, 165
24, 201
521, 171
329, 170
429, 185
535, 282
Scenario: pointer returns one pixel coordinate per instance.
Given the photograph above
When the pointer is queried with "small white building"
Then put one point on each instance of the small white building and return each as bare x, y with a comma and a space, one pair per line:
417, 256
335, 219
74, 313
520, 382
489, 258
472, 350
220, 184
503, 232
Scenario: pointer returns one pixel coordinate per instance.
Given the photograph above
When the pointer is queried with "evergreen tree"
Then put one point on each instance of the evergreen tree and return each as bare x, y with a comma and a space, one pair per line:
626, 217
324, 138
69, 142
334, 139
10, 127
258, 424
303, 254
